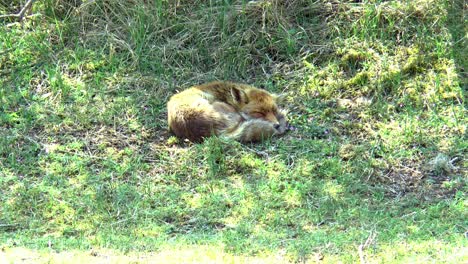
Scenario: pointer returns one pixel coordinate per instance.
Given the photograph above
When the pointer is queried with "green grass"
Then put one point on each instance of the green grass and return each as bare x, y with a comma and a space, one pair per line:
374, 171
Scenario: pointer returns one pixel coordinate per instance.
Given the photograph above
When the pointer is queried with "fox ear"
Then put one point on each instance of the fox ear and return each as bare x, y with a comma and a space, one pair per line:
279, 98
239, 96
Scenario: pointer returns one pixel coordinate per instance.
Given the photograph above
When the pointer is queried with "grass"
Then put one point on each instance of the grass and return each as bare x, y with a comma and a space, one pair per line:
375, 170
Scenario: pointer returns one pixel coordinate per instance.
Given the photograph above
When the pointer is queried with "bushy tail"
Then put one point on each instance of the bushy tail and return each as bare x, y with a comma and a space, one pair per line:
252, 130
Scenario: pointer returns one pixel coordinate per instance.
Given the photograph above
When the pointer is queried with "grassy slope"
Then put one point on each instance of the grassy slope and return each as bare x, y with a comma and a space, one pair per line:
375, 94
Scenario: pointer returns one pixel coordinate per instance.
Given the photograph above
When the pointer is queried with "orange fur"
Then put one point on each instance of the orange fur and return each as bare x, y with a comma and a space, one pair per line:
234, 110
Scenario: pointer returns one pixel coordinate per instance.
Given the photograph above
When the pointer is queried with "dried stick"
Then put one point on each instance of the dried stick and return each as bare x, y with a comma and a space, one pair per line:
369, 241
27, 7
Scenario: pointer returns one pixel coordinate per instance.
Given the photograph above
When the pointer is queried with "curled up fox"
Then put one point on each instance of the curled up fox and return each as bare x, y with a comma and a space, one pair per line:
227, 109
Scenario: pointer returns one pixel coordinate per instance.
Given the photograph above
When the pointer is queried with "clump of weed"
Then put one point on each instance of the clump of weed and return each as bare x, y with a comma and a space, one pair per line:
172, 140
352, 60
215, 157
442, 165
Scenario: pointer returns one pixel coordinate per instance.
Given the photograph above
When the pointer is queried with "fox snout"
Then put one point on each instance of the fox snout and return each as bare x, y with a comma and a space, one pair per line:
275, 120
271, 117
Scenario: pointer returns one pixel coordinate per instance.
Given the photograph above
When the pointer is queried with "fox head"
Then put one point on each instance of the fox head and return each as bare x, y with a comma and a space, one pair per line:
254, 103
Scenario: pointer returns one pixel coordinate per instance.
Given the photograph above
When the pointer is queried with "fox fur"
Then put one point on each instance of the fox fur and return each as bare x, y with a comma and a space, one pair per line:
228, 109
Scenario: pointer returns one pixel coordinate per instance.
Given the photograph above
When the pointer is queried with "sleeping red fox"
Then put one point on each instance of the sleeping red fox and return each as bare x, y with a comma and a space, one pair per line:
233, 110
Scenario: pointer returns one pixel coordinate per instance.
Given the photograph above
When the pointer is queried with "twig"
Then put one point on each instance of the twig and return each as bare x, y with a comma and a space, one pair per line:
259, 153
27, 7
8, 225
370, 240
12, 226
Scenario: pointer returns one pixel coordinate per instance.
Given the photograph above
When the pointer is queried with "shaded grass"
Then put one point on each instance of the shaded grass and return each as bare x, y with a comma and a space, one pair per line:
375, 94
